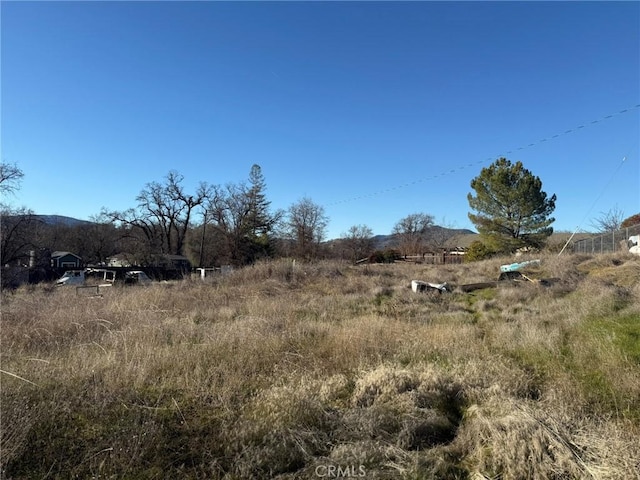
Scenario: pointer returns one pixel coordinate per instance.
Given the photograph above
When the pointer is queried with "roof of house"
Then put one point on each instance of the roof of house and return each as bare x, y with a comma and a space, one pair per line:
64, 254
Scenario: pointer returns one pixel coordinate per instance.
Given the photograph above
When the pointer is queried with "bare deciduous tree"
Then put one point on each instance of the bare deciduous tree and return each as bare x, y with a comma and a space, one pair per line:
17, 225
410, 232
17, 235
10, 177
306, 225
94, 242
228, 211
438, 236
608, 221
164, 213
358, 241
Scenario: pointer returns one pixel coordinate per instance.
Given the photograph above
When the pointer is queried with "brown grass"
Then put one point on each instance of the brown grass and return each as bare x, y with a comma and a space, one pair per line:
286, 370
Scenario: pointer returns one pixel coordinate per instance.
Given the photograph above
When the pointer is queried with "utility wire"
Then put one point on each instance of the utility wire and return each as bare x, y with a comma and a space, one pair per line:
594, 203
479, 162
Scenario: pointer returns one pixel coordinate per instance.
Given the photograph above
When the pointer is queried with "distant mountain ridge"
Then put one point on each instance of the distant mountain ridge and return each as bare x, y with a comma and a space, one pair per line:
463, 237
382, 242
61, 220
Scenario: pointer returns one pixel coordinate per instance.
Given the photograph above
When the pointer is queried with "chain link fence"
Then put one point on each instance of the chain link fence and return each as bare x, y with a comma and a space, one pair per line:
614, 241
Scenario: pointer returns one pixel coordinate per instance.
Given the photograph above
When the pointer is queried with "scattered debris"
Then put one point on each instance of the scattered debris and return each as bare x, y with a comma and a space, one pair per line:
103, 277
88, 275
420, 286
514, 267
508, 273
211, 271
635, 244
91, 291
137, 277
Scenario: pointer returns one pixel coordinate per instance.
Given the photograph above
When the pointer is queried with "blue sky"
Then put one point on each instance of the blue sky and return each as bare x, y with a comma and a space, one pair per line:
374, 110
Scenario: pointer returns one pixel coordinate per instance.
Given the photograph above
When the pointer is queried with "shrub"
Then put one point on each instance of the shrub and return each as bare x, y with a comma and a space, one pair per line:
478, 251
385, 256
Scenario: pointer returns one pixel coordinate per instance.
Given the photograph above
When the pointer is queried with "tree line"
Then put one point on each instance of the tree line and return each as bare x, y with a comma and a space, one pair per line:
213, 225
234, 223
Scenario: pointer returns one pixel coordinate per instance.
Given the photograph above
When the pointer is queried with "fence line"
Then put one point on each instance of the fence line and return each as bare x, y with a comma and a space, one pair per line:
435, 258
614, 241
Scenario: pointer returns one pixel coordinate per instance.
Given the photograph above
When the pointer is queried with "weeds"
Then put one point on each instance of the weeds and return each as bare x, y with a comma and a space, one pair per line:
282, 369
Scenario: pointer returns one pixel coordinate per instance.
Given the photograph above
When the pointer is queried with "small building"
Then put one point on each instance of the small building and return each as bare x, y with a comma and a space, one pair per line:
65, 260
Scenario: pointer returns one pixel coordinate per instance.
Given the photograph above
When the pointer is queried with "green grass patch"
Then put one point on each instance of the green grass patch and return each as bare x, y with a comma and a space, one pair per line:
603, 355
622, 332
538, 366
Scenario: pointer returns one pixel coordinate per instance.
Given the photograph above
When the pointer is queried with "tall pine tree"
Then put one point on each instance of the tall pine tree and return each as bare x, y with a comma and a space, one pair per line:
512, 210
241, 218
259, 221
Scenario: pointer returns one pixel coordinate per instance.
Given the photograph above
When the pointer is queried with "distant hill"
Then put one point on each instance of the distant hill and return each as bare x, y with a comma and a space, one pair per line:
453, 237
61, 220
449, 236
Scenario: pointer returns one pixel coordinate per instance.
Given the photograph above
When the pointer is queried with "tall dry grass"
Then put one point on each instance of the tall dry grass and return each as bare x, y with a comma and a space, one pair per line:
287, 370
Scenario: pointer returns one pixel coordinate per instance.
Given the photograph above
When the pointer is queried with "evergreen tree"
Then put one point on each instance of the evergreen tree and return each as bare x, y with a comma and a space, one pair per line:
240, 213
259, 220
512, 210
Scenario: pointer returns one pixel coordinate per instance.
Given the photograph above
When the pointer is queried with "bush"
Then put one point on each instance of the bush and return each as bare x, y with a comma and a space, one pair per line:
478, 251
385, 256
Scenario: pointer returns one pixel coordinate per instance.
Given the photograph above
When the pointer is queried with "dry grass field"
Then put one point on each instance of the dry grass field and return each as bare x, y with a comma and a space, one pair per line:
328, 370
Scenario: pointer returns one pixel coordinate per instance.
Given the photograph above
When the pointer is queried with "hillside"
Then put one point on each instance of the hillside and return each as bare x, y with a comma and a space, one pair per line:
443, 235
62, 220
286, 370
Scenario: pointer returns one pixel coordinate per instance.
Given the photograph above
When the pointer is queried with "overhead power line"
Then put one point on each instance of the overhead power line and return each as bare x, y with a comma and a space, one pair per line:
488, 159
594, 203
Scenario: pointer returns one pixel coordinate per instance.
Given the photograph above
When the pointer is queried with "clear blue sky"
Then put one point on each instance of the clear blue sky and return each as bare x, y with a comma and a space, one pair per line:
373, 110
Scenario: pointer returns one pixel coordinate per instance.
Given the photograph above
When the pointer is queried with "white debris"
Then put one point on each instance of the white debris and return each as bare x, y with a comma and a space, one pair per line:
420, 286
